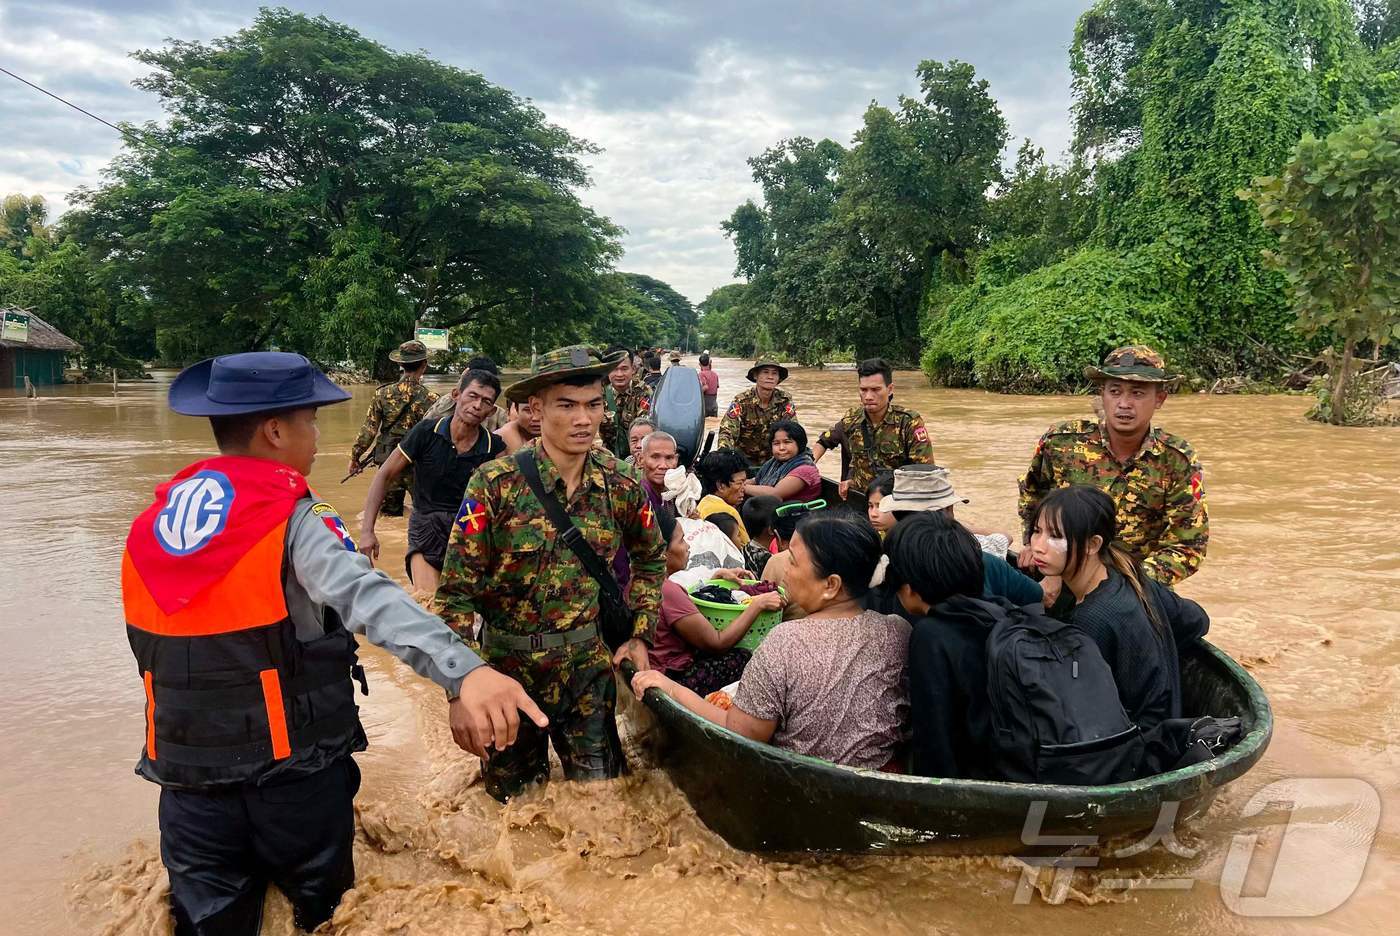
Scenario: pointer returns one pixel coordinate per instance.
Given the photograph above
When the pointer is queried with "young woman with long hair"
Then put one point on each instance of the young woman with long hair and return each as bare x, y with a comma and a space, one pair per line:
1136, 622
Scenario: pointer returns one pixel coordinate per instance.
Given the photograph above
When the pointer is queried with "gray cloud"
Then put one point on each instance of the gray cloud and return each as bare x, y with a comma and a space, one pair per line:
678, 93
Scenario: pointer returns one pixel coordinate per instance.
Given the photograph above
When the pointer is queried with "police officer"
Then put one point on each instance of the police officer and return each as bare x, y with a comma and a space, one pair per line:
241, 594
746, 423
878, 435
396, 408
539, 605
1153, 476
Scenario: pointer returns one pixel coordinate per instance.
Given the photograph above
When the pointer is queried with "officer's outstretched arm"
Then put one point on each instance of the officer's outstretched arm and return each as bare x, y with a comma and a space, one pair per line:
334, 575
485, 716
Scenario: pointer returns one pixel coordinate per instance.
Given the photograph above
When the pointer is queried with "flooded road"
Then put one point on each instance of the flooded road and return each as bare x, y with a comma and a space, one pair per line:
1302, 582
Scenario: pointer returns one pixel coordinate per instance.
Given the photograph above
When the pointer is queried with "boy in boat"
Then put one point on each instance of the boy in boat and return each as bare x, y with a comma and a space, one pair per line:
241, 593
1153, 476
539, 603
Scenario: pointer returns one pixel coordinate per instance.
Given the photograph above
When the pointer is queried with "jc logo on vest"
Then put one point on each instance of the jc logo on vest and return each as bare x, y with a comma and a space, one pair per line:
195, 512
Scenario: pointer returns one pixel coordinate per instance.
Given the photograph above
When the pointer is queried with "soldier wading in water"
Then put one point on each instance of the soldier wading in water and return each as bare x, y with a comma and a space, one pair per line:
1152, 476
396, 408
751, 415
539, 604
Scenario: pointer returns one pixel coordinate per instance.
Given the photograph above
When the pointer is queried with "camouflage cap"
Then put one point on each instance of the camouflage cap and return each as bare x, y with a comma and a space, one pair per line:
1134, 362
560, 364
410, 352
767, 362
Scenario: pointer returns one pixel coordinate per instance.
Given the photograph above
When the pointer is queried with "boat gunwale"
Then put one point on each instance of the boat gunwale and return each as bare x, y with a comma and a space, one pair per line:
1242, 754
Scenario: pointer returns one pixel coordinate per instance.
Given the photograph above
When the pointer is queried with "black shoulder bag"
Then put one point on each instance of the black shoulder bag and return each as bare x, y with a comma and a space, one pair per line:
614, 617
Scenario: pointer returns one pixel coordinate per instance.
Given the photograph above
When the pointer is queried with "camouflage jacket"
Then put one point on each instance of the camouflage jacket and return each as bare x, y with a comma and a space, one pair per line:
1161, 499
622, 409
382, 429
506, 562
745, 424
900, 439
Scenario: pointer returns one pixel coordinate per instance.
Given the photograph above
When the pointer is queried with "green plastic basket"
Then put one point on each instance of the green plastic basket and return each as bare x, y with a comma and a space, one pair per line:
722, 615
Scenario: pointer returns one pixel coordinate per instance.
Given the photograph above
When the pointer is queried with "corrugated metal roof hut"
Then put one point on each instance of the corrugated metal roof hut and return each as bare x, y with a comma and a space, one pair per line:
40, 357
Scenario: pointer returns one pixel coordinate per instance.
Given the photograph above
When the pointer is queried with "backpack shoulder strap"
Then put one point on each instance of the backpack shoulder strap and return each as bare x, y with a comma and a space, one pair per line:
568, 532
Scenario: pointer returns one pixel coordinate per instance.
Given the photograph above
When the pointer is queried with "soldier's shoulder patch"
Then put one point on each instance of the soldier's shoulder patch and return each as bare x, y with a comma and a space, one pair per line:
733, 411
920, 432
471, 517
331, 518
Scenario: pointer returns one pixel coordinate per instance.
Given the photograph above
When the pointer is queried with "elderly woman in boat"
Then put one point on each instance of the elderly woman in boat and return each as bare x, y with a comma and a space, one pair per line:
791, 474
834, 683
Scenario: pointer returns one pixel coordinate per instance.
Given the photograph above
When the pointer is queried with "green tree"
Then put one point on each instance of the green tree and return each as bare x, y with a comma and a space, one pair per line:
316, 189
1335, 209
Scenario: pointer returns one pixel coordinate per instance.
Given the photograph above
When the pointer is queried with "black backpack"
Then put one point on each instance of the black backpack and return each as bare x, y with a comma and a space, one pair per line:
1054, 704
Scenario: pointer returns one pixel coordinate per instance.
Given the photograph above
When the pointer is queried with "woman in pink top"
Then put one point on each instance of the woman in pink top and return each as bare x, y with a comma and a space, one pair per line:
687, 648
791, 474
709, 386
833, 684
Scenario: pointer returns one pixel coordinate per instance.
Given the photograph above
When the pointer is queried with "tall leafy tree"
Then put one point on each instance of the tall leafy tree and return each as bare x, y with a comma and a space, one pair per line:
313, 187
1335, 209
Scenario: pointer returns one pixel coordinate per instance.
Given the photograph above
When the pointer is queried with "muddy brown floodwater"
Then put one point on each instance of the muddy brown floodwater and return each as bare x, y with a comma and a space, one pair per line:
1302, 583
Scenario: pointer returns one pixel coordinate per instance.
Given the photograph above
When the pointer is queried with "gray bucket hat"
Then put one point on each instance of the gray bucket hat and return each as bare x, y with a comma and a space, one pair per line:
920, 487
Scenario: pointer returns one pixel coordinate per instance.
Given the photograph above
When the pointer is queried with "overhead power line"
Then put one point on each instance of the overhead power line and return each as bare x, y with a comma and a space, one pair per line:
129, 134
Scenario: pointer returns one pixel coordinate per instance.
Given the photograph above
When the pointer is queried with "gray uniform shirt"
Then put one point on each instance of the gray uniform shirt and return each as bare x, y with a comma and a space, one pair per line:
325, 574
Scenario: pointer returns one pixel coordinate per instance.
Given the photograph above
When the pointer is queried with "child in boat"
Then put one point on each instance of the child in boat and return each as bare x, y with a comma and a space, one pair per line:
935, 574
687, 647
833, 684
728, 526
1136, 622
881, 486
759, 513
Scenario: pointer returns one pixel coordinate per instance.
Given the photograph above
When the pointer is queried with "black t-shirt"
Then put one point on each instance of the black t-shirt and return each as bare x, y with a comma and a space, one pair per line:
440, 474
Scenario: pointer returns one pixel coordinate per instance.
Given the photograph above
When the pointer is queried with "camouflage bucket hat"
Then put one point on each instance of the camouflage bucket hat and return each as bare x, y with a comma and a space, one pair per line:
1134, 362
560, 364
410, 352
767, 362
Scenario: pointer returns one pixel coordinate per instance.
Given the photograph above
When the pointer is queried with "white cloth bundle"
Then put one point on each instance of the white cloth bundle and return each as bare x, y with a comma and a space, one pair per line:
682, 489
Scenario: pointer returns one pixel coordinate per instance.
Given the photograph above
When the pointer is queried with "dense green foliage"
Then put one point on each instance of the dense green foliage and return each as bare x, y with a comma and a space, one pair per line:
56, 278
1335, 208
846, 241
1176, 105
314, 190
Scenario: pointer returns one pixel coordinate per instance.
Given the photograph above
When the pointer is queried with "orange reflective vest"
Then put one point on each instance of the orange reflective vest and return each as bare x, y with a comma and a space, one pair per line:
232, 696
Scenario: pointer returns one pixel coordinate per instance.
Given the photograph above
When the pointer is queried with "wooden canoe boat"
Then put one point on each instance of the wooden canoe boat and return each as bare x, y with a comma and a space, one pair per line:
760, 798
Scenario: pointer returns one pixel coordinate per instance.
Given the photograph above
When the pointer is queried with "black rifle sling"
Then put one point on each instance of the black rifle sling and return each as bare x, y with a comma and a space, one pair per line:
571, 535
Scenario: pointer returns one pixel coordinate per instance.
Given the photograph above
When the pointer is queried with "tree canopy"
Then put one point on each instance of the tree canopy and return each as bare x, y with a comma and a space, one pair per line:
1335, 208
314, 189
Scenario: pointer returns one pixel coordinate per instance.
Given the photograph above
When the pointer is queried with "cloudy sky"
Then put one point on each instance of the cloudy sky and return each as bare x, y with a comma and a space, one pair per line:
678, 94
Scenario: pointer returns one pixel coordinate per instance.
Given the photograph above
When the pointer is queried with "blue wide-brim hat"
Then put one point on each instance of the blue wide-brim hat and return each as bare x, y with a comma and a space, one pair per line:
254, 382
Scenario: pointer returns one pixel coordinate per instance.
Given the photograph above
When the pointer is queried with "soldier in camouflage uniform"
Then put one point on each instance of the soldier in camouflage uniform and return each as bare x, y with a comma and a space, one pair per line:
538, 604
1153, 476
878, 435
746, 423
626, 398
396, 408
